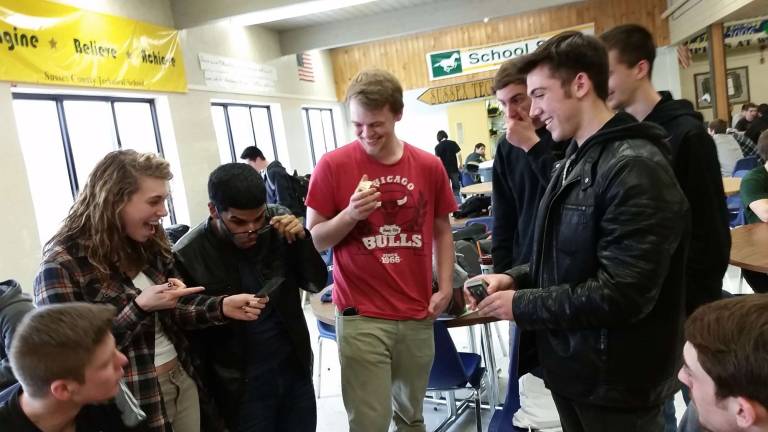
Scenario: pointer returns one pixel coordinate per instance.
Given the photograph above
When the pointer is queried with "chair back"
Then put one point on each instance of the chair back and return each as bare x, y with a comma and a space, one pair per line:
486, 221
734, 204
471, 233
745, 164
447, 370
467, 257
468, 178
327, 331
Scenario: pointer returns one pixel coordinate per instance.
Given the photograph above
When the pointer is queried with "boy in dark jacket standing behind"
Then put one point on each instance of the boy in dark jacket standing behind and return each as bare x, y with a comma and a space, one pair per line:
631, 52
605, 276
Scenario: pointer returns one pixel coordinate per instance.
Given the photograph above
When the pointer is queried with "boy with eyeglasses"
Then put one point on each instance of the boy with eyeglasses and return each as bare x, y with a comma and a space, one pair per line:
257, 373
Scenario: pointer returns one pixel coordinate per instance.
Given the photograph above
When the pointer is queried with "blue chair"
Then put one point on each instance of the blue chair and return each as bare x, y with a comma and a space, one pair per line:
745, 164
327, 331
735, 205
487, 221
502, 420
468, 178
451, 371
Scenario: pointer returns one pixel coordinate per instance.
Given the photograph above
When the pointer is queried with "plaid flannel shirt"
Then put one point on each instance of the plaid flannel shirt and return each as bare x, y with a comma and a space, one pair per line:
67, 275
748, 147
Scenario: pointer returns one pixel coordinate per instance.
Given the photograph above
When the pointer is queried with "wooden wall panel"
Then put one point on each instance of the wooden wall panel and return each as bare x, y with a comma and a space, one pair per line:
405, 56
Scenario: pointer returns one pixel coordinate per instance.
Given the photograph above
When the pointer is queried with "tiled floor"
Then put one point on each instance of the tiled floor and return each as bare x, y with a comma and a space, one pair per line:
332, 417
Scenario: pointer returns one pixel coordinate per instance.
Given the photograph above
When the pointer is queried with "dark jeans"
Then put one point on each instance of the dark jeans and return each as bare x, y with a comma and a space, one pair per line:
279, 398
456, 186
581, 417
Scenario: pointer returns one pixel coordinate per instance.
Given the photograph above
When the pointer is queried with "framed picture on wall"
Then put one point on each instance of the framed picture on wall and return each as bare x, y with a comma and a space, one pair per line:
737, 81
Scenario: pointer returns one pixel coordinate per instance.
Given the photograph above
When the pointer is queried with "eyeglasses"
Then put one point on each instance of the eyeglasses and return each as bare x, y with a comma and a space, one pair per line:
245, 234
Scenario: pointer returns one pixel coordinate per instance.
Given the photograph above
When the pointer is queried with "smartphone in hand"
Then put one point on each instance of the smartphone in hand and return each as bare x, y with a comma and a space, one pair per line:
478, 288
270, 287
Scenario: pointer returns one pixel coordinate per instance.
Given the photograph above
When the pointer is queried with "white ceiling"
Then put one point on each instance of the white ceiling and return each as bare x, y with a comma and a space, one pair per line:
378, 19
755, 9
363, 10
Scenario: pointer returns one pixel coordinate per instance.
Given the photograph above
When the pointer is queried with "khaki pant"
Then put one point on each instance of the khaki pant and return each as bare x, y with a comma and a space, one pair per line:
180, 399
384, 368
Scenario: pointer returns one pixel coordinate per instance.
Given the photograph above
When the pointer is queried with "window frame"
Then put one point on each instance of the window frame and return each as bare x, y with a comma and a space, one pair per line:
309, 130
59, 100
225, 106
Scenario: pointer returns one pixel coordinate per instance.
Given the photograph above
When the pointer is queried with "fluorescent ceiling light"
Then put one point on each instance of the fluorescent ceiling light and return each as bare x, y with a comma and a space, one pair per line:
293, 11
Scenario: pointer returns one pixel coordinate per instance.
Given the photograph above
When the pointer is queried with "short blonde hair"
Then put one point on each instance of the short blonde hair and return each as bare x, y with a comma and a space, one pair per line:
375, 89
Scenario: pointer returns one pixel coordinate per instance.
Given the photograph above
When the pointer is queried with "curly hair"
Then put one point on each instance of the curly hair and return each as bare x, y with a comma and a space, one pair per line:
94, 218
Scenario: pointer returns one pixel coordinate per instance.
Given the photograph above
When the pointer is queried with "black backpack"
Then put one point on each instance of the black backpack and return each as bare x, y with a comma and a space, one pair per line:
299, 185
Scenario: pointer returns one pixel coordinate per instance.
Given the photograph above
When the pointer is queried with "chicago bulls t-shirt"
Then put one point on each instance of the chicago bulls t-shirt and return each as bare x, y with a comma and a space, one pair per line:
383, 267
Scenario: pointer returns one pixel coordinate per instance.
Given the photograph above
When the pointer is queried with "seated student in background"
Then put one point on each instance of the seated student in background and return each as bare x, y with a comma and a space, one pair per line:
477, 156
472, 163
111, 248
68, 365
728, 149
725, 364
750, 113
754, 195
260, 373
740, 115
13, 306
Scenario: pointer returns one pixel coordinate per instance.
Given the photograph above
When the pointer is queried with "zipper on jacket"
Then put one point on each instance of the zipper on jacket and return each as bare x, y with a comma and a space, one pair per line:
546, 218
604, 345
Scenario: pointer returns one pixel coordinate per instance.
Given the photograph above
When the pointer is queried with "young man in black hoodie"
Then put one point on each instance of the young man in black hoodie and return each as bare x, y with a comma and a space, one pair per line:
522, 168
605, 272
631, 51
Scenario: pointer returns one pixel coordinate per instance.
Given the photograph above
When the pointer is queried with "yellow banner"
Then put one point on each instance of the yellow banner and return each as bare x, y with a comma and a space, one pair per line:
49, 43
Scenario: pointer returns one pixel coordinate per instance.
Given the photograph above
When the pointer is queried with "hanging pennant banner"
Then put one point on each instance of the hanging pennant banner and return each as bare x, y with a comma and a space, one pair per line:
49, 43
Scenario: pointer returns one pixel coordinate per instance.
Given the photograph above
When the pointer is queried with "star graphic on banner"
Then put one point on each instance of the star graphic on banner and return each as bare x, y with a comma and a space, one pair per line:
53, 43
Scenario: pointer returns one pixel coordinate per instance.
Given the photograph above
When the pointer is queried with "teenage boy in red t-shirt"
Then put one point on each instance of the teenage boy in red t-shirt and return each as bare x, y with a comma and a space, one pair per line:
383, 206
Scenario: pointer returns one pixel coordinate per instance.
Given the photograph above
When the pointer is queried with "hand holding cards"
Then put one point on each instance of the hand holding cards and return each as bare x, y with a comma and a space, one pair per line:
364, 200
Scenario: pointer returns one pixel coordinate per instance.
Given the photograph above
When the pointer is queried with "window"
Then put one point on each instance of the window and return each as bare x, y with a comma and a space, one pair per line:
321, 132
239, 126
63, 137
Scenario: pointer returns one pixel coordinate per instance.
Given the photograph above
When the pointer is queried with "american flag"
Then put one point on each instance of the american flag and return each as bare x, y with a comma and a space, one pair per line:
306, 71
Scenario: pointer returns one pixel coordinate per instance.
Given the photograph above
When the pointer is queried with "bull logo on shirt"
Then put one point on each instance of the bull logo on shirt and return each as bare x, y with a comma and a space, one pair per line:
397, 222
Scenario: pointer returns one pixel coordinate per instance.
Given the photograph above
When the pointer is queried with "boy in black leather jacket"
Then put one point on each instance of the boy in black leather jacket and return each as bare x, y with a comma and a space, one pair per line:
604, 286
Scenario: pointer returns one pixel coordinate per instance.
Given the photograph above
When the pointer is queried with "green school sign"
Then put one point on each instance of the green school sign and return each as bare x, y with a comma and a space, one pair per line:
465, 61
